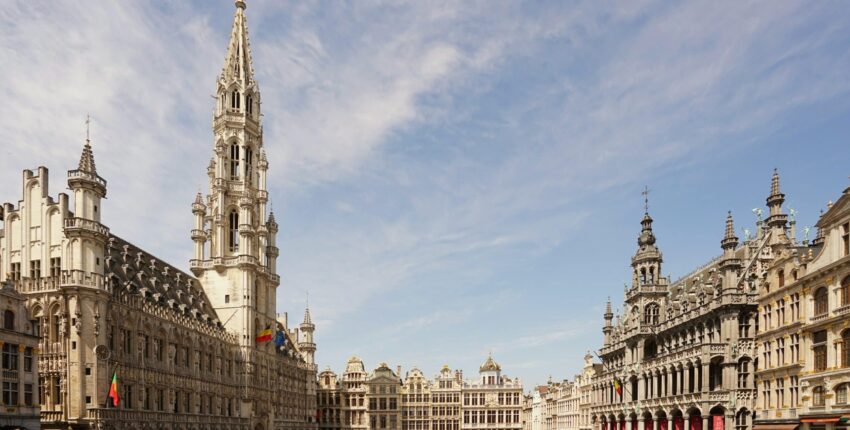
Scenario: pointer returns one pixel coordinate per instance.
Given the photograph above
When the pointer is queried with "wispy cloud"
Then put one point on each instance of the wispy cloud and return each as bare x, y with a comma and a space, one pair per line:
429, 160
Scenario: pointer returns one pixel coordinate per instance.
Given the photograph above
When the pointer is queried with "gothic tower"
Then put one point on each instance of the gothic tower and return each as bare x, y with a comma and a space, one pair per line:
777, 221
646, 295
730, 266
87, 236
234, 251
306, 344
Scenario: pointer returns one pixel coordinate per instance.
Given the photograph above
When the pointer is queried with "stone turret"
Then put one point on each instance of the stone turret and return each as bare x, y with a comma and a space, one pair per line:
609, 315
776, 221
87, 236
306, 343
729, 265
646, 263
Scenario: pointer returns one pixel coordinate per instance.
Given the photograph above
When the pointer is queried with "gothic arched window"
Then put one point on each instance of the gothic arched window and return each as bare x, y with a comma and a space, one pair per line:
821, 301
744, 373
249, 104
249, 161
650, 314
234, 99
234, 161
744, 325
817, 396
233, 236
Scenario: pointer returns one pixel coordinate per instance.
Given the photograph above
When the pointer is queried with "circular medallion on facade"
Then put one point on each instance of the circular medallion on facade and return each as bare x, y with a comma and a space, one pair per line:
102, 352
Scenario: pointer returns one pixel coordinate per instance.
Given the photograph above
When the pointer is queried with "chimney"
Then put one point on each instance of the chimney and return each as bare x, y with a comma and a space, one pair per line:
398, 370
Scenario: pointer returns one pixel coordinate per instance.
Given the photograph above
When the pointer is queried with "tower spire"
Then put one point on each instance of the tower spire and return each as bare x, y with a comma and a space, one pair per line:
647, 259
730, 241
777, 220
238, 64
87, 157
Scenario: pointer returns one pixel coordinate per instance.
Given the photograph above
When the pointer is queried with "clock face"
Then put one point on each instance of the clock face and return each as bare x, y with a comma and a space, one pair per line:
102, 352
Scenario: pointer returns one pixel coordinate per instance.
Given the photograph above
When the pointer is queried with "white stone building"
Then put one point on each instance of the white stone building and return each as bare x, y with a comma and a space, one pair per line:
184, 348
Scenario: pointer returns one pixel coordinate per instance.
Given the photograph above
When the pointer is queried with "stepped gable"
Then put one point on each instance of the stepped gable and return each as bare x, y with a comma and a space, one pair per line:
131, 269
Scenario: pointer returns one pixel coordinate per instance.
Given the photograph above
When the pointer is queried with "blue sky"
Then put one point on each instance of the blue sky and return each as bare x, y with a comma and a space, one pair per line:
451, 178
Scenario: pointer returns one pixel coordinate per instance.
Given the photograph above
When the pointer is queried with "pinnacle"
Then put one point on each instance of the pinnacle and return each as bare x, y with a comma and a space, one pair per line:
730, 226
237, 63
774, 183
307, 319
87, 160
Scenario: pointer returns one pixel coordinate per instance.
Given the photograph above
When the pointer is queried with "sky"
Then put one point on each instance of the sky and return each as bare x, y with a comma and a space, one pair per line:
452, 179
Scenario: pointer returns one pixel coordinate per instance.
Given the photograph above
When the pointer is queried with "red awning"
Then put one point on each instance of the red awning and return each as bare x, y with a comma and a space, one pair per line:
825, 420
775, 426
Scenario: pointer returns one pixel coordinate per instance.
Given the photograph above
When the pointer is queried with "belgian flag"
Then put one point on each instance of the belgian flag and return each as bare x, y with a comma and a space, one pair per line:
618, 387
265, 335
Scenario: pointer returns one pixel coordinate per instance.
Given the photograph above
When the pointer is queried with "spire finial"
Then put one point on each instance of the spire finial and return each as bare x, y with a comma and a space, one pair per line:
87, 157
240, 4
774, 182
645, 194
730, 225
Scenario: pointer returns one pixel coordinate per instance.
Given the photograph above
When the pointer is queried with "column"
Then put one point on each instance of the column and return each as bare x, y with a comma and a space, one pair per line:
686, 425
641, 395
705, 377
629, 424
705, 422
641, 424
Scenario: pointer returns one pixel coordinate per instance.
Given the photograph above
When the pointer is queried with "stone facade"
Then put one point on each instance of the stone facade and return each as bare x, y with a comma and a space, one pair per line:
804, 331
446, 402
683, 354
18, 349
183, 347
554, 406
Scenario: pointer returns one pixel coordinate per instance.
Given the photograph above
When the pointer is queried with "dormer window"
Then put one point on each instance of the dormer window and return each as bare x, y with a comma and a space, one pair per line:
234, 161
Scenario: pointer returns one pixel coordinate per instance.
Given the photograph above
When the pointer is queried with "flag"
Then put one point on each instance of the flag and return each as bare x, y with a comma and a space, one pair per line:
113, 390
279, 339
265, 336
618, 387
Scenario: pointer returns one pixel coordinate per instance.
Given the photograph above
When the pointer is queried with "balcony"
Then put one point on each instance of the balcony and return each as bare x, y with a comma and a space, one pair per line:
79, 277
51, 416
76, 175
128, 416
28, 285
82, 225
820, 317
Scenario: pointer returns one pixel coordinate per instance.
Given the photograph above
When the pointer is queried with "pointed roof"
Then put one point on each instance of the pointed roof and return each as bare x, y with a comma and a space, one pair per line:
307, 319
238, 64
774, 183
729, 241
87, 160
